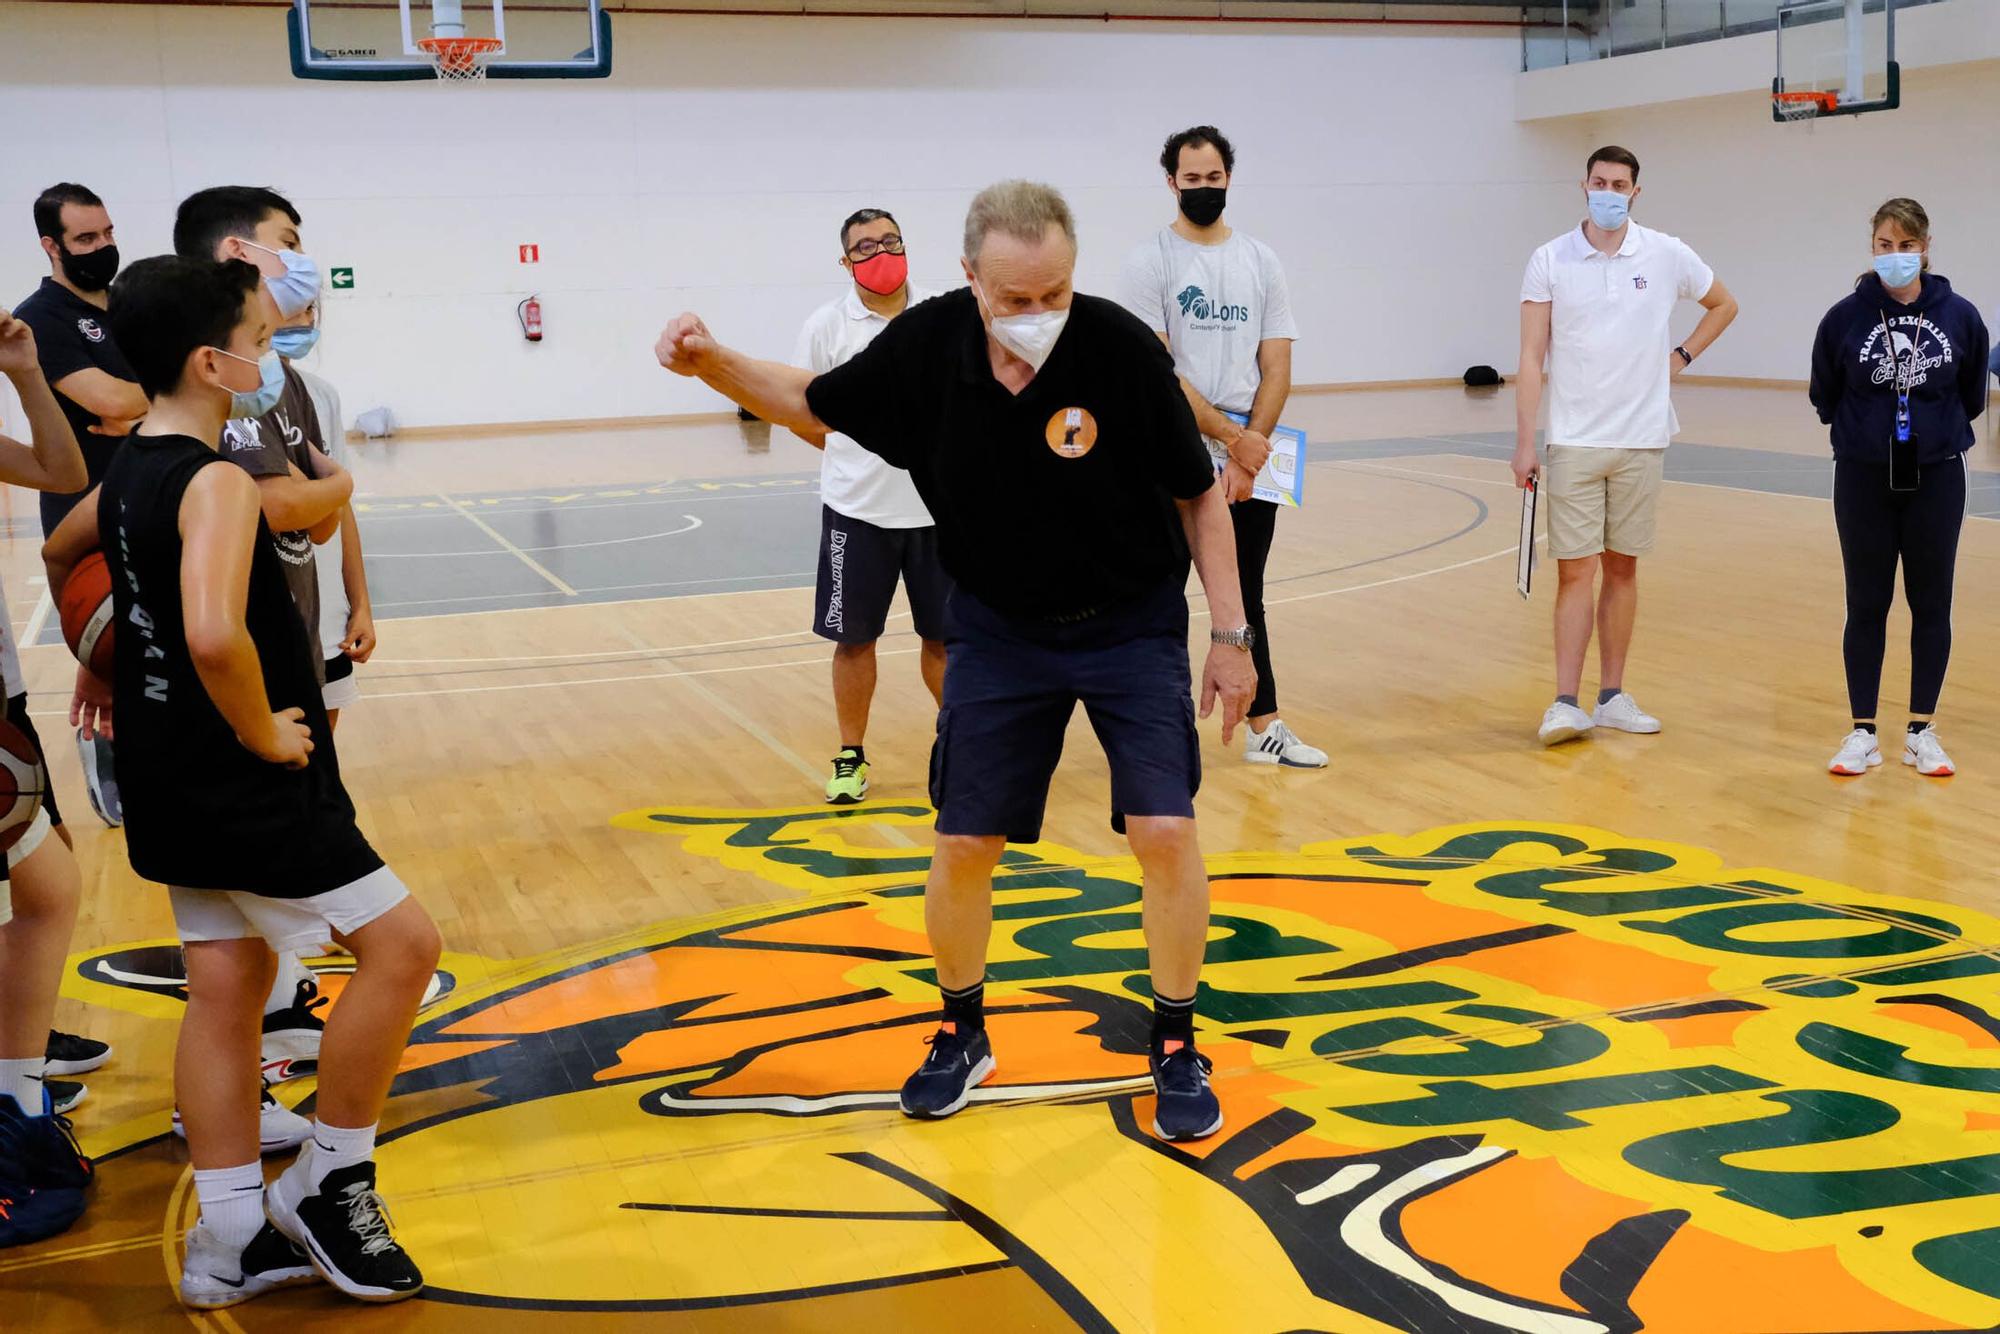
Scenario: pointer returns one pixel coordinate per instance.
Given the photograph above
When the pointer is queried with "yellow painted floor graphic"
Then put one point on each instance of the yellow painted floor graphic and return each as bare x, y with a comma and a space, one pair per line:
1487, 1077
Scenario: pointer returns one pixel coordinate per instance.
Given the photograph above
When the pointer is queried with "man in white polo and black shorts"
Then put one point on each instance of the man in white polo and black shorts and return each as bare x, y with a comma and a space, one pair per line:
874, 528
1598, 303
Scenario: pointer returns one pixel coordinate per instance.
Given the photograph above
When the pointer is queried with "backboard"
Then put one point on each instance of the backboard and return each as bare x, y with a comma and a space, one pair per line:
376, 40
1835, 58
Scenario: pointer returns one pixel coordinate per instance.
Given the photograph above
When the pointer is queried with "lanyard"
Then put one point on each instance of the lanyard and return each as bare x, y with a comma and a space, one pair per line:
1902, 380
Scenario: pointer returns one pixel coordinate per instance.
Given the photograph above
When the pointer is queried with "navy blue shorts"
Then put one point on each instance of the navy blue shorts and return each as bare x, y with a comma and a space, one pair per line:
859, 564
1010, 687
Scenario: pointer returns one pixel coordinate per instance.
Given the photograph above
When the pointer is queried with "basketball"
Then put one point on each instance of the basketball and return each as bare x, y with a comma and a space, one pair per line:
22, 780
87, 612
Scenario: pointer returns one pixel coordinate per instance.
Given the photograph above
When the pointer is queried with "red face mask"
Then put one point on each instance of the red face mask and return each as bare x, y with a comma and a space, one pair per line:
883, 274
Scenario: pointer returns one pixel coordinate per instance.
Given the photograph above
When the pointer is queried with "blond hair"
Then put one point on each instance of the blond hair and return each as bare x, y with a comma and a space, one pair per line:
1023, 210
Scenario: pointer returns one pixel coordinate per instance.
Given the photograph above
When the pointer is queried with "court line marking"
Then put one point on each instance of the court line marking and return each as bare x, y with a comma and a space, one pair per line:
692, 524
496, 535
39, 618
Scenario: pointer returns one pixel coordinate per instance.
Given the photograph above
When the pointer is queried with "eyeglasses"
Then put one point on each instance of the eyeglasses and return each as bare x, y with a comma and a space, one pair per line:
868, 247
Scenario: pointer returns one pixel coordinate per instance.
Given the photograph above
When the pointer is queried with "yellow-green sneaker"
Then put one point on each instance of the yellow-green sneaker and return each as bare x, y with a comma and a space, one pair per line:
849, 783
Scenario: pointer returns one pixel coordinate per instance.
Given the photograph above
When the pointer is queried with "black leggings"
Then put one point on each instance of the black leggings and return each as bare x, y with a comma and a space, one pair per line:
1256, 523
1878, 527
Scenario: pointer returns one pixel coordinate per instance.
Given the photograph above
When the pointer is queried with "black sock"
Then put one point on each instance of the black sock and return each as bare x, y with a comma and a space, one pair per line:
1918, 727
967, 1008
1609, 693
1173, 1021
1567, 699
1869, 728
858, 752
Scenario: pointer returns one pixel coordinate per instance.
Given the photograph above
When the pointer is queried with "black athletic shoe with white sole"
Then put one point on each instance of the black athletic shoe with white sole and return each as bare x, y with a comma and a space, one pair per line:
65, 1095
69, 1054
100, 779
1187, 1107
292, 1035
957, 1064
345, 1229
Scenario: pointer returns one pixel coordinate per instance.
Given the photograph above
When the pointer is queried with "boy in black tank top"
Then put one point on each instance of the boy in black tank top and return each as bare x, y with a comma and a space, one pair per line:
233, 800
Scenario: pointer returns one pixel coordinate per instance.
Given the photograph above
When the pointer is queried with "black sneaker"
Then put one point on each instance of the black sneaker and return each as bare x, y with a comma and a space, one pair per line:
40, 1152
28, 1214
345, 1229
69, 1054
1187, 1107
958, 1063
65, 1095
100, 779
292, 1035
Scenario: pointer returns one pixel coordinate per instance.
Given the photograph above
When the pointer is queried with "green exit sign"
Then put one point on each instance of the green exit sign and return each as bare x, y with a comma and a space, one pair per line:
341, 280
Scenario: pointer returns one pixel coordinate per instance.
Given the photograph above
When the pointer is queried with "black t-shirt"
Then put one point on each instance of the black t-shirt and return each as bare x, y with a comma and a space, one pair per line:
72, 335
1055, 502
202, 812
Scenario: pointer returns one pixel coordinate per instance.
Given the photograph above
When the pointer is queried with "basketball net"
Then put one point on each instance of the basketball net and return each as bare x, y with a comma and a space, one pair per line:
460, 59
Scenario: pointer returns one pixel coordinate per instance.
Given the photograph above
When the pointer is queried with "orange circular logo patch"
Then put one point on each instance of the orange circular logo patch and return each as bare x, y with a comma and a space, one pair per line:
1072, 432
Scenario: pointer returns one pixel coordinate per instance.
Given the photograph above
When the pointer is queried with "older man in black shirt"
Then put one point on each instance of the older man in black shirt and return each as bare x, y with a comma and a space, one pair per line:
1048, 437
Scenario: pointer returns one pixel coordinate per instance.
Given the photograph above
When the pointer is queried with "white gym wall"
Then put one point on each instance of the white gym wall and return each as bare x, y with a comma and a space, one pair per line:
712, 170
1387, 166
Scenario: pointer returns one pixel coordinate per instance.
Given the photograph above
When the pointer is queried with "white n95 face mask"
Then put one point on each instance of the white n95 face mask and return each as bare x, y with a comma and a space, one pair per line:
1029, 337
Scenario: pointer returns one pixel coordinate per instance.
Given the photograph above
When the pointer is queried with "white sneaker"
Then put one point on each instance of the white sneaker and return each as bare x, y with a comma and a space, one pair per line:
1858, 754
1564, 722
1279, 744
279, 1128
215, 1275
1621, 713
1923, 751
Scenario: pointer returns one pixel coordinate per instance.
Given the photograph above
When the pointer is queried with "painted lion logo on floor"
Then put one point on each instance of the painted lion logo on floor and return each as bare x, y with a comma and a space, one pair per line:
1488, 1077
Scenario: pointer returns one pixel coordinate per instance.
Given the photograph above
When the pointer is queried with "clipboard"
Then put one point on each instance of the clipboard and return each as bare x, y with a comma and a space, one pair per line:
1282, 479
1524, 559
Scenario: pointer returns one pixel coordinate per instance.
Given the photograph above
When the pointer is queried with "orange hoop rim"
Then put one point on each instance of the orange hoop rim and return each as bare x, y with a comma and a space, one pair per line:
1826, 101
459, 53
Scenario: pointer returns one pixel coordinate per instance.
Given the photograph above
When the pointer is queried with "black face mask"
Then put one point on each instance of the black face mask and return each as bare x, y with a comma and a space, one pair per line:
91, 272
1204, 204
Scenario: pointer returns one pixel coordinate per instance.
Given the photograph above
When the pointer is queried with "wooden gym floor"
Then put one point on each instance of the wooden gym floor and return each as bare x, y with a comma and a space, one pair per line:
1676, 1033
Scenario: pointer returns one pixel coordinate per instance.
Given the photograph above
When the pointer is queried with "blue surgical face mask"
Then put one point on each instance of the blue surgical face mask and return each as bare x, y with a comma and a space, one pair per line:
271, 384
1900, 269
298, 286
1609, 209
291, 344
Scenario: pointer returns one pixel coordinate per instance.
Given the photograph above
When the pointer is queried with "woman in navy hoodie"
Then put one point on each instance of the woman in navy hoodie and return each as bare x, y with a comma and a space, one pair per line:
1899, 372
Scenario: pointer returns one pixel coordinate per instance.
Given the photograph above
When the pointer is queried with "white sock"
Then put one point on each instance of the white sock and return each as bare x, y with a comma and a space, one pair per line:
335, 1148
285, 987
232, 1201
22, 1081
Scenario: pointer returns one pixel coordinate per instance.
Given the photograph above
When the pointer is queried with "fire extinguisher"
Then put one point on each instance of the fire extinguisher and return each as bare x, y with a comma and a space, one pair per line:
530, 314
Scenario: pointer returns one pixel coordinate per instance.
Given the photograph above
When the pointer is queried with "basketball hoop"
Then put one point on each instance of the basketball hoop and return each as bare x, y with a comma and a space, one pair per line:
460, 59
1803, 106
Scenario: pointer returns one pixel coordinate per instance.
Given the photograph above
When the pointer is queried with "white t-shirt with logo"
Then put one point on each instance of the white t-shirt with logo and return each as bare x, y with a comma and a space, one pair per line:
852, 481
1611, 334
333, 604
1215, 303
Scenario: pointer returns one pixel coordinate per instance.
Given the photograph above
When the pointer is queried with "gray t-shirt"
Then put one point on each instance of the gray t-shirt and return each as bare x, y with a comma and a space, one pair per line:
265, 447
1215, 303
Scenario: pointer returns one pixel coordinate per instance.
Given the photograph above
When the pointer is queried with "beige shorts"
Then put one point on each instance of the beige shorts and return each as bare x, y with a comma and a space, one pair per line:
287, 924
30, 843
1602, 500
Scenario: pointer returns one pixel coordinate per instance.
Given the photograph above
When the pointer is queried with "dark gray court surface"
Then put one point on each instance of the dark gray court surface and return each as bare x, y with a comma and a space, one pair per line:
437, 554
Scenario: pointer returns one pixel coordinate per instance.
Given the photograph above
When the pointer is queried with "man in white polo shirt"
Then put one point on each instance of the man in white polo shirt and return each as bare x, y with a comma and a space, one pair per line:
1598, 303
873, 527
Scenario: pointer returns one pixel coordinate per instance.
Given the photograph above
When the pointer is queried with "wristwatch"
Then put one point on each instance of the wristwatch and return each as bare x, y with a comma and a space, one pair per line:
1241, 638
1687, 357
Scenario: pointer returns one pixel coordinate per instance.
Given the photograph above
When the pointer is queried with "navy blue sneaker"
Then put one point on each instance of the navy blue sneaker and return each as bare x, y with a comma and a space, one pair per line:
958, 1063
1187, 1105
29, 1215
40, 1152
